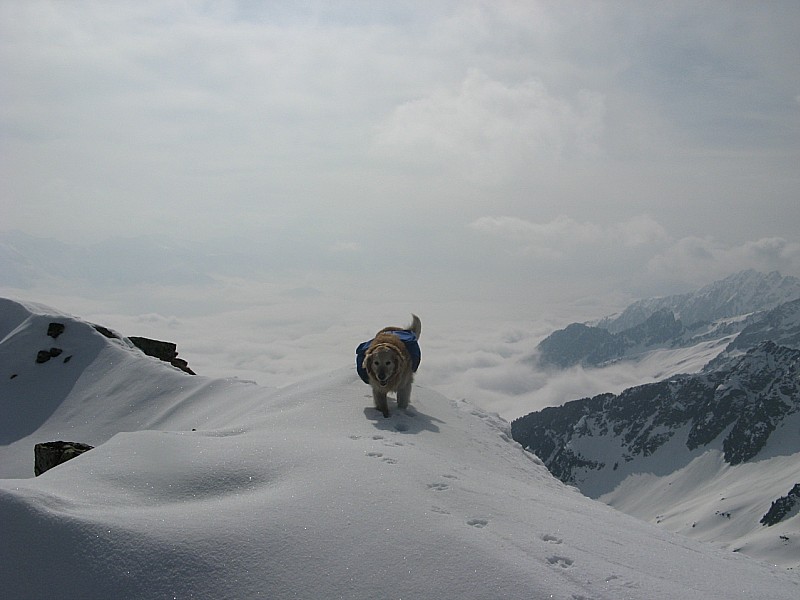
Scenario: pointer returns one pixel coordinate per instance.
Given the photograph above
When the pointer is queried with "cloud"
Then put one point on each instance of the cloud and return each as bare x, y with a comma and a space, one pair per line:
698, 260
563, 233
638, 255
487, 124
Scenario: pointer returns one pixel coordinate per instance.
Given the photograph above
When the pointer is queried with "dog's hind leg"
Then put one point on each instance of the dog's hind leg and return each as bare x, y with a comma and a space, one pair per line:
380, 402
403, 396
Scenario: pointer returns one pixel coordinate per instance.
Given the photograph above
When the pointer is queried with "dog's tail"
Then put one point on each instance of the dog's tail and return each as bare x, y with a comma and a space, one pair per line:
416, 325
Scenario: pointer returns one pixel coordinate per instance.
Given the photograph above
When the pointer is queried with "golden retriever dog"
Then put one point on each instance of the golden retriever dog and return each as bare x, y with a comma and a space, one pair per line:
389, 362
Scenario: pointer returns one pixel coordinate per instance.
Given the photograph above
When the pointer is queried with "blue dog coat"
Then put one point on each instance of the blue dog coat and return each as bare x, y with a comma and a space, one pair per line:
409, 340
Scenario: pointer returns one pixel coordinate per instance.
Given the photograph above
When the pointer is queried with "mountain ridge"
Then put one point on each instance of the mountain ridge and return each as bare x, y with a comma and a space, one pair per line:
714, 312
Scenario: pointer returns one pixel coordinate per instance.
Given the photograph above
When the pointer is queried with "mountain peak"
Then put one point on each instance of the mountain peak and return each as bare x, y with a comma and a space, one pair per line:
741, 293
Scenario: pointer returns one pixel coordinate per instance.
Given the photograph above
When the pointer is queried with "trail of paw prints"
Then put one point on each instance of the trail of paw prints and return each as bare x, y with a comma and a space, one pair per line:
394, 443
386, 459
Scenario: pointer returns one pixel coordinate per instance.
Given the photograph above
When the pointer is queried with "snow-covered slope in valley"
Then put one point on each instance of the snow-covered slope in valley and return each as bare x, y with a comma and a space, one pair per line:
706, 455
202, 488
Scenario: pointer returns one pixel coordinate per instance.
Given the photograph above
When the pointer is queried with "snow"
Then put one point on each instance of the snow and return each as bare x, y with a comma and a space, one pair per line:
217, 488
696, 493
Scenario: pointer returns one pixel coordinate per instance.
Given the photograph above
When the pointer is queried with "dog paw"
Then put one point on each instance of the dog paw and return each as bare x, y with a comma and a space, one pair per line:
478, 523
438, 487
560, 561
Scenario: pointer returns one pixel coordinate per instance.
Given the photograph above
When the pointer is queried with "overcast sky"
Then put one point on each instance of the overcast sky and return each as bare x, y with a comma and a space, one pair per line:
483, 150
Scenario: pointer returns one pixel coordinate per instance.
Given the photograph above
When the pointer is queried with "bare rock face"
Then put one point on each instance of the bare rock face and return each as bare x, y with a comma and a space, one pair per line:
50, 454
782, 507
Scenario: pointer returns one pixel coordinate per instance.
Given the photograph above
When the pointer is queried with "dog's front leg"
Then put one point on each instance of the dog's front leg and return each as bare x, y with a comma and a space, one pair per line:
380, 402
404, 396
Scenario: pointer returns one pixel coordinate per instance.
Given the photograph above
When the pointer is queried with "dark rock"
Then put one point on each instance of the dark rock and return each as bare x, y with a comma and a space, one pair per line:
106, 332
44, 355
50, 454
166, 351
781, 507
55, 329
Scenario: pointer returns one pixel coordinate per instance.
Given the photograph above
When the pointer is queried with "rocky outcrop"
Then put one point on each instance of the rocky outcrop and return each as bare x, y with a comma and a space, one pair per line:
166, 351
51, 454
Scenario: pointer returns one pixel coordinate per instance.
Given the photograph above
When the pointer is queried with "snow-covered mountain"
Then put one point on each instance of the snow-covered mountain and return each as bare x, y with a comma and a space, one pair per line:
780, 325
714, 314
215, 488
704, 454
738, 294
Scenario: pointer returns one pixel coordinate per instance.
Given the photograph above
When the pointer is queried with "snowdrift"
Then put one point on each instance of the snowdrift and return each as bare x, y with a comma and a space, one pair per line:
204, 488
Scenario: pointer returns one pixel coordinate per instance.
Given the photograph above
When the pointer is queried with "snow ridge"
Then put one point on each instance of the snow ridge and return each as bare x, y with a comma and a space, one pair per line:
209, 488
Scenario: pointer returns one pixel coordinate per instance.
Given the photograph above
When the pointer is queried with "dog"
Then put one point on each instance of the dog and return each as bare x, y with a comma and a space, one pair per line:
388, 362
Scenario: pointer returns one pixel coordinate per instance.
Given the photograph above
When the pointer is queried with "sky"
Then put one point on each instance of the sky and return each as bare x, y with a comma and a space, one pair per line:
479, 160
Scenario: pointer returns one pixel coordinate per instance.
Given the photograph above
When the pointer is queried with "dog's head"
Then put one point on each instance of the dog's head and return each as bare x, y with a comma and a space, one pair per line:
382, 362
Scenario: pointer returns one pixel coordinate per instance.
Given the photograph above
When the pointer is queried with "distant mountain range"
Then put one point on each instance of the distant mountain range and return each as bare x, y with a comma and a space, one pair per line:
713, 454
720, 310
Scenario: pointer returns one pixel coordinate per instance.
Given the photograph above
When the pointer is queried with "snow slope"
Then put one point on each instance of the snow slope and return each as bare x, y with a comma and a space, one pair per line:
203, 488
